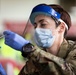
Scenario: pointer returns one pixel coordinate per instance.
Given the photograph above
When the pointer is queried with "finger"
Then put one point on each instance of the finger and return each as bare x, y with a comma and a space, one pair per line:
7, 32
7, 43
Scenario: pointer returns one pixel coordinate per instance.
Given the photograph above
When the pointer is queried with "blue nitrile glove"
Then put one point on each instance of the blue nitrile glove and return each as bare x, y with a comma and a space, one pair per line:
14, 40
2, 71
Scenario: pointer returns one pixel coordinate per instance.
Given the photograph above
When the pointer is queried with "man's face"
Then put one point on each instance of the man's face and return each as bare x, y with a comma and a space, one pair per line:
45, 22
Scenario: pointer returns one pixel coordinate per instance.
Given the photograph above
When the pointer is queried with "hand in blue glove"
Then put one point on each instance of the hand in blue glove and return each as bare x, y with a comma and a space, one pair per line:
14, 40
2, 71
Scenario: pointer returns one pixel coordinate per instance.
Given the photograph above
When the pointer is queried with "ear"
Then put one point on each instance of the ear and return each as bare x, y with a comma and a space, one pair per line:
61, 28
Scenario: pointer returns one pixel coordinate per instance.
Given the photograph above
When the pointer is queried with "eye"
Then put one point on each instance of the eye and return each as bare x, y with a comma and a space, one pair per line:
43, 25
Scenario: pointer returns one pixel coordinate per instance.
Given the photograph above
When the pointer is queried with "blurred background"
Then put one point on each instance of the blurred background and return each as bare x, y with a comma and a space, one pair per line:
14, 15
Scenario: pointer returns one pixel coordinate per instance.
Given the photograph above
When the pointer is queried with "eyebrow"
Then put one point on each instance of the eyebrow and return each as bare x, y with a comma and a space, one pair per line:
42, 20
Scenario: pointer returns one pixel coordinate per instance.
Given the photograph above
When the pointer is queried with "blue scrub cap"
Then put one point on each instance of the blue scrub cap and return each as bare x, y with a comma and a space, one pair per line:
45, 10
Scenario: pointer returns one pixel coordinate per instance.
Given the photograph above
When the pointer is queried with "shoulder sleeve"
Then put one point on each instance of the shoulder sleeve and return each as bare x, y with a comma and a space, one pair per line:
67, 66
71, 61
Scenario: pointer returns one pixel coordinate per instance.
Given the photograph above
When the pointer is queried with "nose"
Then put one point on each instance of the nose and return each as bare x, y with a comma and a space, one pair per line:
38, 26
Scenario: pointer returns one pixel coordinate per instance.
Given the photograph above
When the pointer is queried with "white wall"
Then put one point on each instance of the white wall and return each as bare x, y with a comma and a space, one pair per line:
21, 9
18, 9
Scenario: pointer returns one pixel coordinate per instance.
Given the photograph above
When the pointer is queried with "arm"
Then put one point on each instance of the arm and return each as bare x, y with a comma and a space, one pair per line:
67, 67
17, 42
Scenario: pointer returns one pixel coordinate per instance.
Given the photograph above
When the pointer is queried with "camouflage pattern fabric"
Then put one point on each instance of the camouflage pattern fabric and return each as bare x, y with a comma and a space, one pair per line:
41, 62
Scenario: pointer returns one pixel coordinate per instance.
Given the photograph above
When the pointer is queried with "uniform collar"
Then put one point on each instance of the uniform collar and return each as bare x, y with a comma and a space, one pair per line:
63, 49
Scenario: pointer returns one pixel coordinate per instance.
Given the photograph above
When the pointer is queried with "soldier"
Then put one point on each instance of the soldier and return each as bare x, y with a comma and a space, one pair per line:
56, 55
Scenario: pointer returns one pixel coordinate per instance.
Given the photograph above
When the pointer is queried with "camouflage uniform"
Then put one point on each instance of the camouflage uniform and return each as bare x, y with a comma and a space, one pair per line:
44, 63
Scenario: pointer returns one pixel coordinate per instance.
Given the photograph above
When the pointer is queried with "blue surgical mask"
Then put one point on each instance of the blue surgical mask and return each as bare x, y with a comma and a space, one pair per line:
44, 37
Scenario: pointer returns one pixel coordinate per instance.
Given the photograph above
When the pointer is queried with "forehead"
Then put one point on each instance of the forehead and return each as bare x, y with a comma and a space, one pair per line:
45, 17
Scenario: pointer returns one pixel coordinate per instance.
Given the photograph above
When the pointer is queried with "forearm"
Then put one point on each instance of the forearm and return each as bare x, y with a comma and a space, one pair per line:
66, 67
43, 56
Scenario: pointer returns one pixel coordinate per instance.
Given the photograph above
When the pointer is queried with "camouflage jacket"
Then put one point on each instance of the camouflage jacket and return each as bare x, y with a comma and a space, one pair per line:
41, 62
